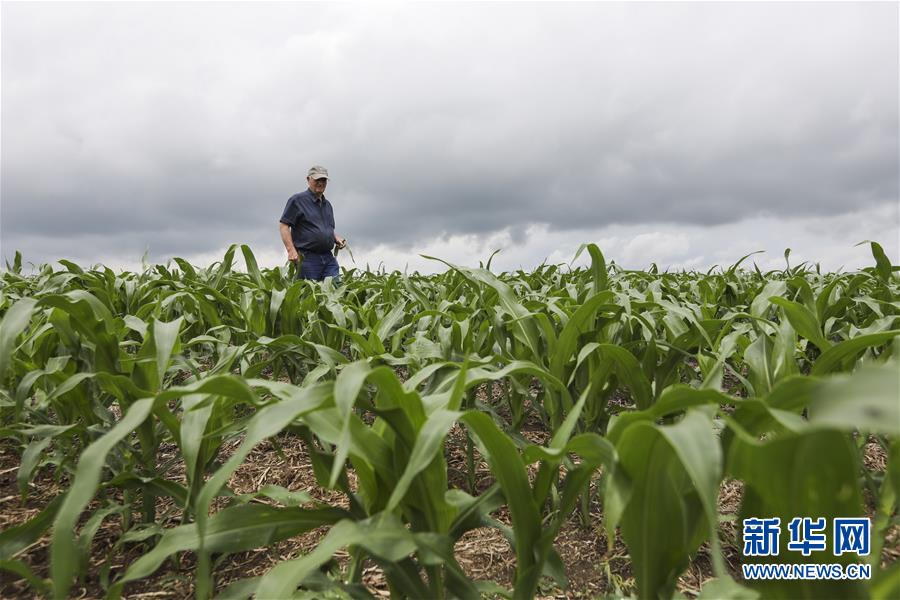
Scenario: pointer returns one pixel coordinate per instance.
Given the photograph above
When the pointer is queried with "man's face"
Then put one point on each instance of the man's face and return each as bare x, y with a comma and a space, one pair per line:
317, 185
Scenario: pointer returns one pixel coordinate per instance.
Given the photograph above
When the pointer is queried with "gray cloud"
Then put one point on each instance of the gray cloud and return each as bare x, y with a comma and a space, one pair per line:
187, 126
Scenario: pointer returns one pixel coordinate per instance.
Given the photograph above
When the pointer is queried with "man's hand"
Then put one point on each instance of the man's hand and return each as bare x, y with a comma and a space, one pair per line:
340, 242
285, 231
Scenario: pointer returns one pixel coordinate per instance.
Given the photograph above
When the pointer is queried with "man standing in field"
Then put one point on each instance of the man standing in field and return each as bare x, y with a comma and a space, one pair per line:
307, 229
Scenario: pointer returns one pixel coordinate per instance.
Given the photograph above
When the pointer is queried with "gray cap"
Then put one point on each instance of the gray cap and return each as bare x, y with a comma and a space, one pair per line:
317, 172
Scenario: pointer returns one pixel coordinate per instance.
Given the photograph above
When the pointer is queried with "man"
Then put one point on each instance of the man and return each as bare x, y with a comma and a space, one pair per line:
307, 229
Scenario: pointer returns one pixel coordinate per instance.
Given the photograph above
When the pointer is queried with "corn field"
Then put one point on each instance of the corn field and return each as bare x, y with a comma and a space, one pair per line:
139, 396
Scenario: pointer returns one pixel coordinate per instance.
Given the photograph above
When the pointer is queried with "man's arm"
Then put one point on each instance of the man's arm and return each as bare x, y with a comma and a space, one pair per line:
288, 242
340, 242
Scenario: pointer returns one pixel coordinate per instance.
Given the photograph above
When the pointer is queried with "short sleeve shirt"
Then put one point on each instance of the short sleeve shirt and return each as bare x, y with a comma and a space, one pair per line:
311, 222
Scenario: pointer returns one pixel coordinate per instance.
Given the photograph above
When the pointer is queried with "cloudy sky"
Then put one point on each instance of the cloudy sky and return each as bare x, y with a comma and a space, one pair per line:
685, 134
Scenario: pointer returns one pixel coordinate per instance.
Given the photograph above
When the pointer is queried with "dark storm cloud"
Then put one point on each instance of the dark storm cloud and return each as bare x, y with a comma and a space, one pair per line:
185, 127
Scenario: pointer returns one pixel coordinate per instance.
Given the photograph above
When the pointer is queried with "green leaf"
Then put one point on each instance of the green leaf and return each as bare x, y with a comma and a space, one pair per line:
284, 496
186, 267
831, 359
674, 471
510, 303
674, 399
626, 367
63, 552
231, 530
773, 289
726, 588
384, 328
574, 328
804, 321
252, 267
194, 422
20, 568
30, 459
383, 535
347, 386
267, 422
224, 267
242, 589
599, 275
14, 322
508, 468
165, 337
761, 364
882, 262
867, 400
429, 443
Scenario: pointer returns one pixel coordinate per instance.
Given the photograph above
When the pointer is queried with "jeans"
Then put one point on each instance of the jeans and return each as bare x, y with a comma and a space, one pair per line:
319, 266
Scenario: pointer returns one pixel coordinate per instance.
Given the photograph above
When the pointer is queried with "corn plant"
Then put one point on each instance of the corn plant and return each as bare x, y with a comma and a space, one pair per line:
652, 386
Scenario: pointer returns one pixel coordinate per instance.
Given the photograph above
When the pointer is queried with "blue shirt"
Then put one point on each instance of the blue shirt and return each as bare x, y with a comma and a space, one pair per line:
311, 221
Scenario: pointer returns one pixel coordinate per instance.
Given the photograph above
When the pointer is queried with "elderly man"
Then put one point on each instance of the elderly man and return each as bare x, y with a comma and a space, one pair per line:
307, 229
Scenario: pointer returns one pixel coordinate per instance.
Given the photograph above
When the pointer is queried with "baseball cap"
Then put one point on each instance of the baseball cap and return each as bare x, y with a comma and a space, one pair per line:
318, 172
